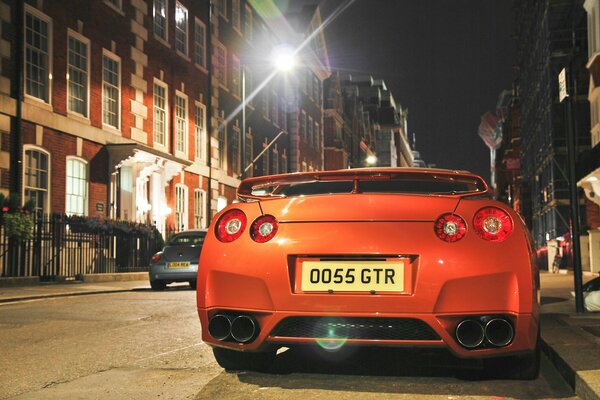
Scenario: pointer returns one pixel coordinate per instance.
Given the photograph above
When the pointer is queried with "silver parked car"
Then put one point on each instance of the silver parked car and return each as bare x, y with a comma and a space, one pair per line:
178, 261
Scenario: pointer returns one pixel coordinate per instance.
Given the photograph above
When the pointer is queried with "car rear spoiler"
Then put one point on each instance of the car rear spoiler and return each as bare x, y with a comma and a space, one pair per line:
248, 187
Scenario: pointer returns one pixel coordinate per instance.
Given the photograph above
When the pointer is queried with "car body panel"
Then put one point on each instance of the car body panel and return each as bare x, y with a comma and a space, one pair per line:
443, 282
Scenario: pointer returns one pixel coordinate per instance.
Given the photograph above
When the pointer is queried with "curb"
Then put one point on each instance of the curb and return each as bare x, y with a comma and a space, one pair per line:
66, 294
579, 384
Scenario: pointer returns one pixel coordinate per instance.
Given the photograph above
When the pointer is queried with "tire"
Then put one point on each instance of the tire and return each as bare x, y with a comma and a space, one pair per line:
526, 367
158, 285
233, 360
192, 284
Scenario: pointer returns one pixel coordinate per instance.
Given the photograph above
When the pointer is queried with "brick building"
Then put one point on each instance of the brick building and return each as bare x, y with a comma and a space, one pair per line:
118, 118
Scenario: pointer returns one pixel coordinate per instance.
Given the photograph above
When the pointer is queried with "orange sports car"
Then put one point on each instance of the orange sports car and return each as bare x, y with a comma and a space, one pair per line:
370, 257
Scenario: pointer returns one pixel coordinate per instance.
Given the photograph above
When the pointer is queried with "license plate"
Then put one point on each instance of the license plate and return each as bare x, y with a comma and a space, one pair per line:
180, 264
353, 276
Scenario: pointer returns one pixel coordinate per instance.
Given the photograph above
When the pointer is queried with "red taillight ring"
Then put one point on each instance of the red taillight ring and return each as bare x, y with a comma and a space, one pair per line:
264, 228
156, 258
450, 227
492, 224
230, 225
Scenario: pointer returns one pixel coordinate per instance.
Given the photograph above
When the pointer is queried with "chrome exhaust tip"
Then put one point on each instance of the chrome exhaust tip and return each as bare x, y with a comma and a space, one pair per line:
469, 333
244, 328
219, 327
499, 332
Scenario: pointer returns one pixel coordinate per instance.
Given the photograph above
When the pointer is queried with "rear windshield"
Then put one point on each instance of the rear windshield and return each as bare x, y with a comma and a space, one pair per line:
430, 185
191, 239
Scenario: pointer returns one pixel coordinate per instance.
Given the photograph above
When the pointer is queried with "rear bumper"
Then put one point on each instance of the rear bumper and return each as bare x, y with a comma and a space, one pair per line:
162, 273
440, 332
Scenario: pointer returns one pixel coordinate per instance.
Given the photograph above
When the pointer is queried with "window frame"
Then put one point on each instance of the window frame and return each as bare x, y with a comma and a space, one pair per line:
236, 15
236, 77
200, 156
186, 33
86, 189
80, 38
162, 146
184, 152
164, 39
117, 59
41, 16
26, 148
200, 219
199, 23
181, 214
221, 70
248, 23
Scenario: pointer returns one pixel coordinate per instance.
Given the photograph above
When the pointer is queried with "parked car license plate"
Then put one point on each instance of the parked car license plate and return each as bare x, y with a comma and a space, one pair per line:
353, 276
180, 264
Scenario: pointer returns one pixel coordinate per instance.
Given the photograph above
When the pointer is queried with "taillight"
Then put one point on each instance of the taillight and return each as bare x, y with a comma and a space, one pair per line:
492, 224
450, 227
263, 228
231, 225
156, 258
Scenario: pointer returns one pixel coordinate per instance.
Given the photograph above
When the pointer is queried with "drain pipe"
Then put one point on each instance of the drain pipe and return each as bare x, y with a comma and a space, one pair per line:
16, 156
209, 68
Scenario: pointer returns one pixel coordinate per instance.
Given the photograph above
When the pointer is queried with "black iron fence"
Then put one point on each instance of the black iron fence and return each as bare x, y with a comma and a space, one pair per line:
63, 246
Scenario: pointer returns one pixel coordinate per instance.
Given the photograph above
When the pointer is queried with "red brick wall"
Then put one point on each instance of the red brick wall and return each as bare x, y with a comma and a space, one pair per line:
592, 214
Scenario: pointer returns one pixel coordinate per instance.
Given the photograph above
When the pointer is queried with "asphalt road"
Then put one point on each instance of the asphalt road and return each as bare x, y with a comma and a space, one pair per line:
146, 345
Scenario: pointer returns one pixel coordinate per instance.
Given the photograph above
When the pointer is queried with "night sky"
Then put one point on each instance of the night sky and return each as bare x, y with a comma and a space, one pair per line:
446, 61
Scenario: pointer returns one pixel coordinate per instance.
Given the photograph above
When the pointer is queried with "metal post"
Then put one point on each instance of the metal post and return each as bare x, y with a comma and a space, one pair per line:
574, 199
243, 172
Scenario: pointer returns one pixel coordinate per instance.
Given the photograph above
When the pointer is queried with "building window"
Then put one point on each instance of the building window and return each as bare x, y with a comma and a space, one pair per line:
77, 74
248, 85
35, 179
116, 4
315, 89
248, 24
221, 139
111, 83
303, 124
234, 149
221, 64
181, 124
76, 187
265, 103
37, 54
275, 168
274, 104
221, 6
317, 135
199, 209
181, 207
160, 18
200, 132
282, 116
248, 154
181, 29
200, 43
310, 130
265, 160
283, 169
160, 114
235, 15
236, 77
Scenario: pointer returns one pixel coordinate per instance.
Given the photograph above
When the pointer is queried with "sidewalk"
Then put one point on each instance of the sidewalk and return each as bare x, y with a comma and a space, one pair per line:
570, 340
74, 288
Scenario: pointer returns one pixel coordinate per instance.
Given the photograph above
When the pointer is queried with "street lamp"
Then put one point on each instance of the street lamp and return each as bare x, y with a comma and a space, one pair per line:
371, 159
283, 59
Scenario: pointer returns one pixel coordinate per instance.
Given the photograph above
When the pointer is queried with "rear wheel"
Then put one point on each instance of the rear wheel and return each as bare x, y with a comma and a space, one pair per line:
192, 284
158, 285
233, 360
526, 367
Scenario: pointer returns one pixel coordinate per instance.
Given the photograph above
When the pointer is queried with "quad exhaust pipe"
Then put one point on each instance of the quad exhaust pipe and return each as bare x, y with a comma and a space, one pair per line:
495, 331
241, 328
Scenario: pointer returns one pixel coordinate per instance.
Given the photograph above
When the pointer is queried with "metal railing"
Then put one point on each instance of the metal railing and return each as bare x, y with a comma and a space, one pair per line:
68, 247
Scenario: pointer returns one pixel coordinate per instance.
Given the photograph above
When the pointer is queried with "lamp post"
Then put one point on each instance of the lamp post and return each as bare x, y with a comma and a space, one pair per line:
283, 59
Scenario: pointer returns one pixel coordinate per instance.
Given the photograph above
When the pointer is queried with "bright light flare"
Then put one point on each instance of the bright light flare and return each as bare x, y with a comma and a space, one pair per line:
284, 58
371, 160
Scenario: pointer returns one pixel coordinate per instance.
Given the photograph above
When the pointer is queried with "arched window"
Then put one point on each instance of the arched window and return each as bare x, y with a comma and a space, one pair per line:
77, 187
35, 178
